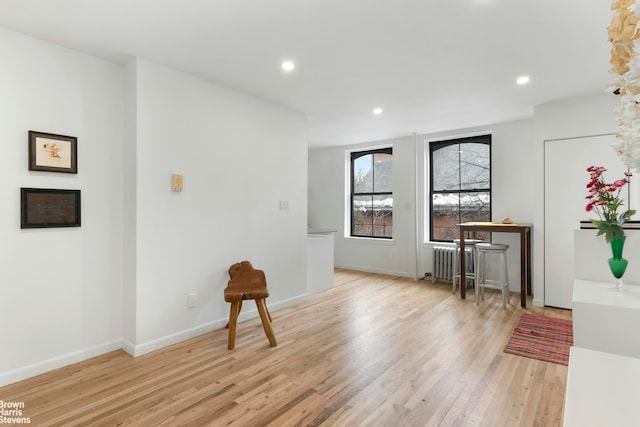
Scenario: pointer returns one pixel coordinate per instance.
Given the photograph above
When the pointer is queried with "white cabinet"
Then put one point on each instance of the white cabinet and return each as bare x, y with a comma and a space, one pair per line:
606, 319
602, 389
319, 261
603, 381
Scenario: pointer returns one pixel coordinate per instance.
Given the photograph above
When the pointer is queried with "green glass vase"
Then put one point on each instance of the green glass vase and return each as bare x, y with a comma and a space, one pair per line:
617, 264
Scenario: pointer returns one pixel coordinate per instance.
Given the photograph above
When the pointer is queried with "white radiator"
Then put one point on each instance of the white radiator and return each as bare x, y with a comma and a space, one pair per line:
443, 260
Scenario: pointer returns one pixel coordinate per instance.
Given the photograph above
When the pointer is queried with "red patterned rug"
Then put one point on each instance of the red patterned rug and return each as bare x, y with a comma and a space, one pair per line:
542, 338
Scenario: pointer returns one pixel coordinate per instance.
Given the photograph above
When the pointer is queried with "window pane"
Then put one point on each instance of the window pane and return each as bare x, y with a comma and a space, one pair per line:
445, 216
453, 208
362, 174
362, 216
373, 216
382, 216
445, 167
474, 166
372, 193
476, 207
382, 167
460, 185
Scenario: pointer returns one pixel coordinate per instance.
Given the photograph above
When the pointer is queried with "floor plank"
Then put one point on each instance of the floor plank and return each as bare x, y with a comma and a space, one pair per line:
375, 350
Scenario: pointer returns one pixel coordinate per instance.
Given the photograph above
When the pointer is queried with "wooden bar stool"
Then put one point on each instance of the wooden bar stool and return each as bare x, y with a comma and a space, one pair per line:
498, 250
247, 283
470, 275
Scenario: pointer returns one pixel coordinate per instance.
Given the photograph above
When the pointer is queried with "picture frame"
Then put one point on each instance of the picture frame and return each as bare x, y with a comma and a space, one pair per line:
52, 153
48, 208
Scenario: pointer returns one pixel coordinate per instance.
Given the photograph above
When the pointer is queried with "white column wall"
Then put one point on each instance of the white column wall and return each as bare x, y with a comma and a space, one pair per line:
61, 288
239, 157
121, 279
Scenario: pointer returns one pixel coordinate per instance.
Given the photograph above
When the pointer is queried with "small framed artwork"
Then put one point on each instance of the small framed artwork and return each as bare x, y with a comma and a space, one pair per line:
52, 153
46, 208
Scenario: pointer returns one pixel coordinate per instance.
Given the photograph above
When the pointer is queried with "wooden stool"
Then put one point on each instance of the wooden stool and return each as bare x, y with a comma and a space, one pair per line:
247, 283
482, 282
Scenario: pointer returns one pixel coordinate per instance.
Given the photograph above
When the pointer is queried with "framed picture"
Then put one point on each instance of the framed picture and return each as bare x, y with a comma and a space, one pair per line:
46, 208
52, 153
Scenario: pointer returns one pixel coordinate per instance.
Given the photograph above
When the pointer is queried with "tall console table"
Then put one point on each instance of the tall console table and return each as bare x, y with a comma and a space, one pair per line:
524, 230
604, 365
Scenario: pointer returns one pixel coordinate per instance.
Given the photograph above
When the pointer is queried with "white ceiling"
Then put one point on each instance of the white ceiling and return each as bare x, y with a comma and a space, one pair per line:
432, 65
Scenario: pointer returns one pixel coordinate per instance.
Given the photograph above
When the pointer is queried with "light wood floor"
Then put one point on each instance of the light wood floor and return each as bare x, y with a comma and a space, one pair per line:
374, 351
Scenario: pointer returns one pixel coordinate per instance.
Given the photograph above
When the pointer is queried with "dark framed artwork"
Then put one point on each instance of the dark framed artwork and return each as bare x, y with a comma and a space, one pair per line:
52, 153
46, 208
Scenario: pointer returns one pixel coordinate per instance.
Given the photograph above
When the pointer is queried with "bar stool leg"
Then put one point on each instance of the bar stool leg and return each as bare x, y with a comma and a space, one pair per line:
505, 281
499, 283
456, 267
479, 276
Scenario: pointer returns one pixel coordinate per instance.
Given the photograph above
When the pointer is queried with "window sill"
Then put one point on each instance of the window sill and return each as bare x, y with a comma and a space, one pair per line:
369, 240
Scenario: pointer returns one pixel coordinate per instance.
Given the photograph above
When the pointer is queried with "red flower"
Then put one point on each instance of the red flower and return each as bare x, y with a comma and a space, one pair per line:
604, 198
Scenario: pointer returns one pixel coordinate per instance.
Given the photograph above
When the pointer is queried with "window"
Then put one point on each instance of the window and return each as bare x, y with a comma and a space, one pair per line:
371, 193
460, 185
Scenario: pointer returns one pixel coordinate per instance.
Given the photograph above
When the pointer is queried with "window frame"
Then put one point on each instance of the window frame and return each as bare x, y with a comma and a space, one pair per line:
438, 144
353, 155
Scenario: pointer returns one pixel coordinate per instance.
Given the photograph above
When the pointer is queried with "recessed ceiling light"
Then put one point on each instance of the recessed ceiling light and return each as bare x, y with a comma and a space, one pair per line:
522, 80
377, 111
288, 66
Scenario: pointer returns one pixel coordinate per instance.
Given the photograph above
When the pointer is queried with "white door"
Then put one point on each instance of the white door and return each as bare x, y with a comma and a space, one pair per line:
565, 180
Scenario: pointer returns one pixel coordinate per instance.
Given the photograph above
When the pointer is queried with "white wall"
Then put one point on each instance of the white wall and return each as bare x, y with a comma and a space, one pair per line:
61, 288
581, 116
239, 157
517, 173
512, 145
327, 202
511, 170
121, 280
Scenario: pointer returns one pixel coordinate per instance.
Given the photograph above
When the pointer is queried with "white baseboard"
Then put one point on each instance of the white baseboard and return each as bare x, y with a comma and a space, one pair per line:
287, 302
135, 350
158, 343
128, 346
248, 312
377, 271
537, 302
32, 370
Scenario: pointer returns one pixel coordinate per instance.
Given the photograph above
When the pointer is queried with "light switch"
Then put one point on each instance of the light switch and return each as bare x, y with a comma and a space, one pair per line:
284, 205
176, 182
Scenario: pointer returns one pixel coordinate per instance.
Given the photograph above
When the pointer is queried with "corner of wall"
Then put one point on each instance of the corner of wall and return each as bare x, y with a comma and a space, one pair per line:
29, 371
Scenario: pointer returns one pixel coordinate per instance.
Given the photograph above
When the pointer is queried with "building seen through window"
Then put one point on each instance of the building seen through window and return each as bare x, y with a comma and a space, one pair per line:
372, 193
459, 185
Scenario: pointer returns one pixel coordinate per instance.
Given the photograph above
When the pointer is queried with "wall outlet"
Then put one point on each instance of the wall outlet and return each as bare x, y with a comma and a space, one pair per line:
191, 299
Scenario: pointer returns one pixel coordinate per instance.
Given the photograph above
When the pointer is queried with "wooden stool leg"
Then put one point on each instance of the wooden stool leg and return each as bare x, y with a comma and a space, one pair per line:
267, 310
233, 322
266, 324
239, 310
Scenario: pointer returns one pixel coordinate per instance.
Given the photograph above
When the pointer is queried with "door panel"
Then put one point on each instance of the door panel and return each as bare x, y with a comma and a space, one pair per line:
565, 181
